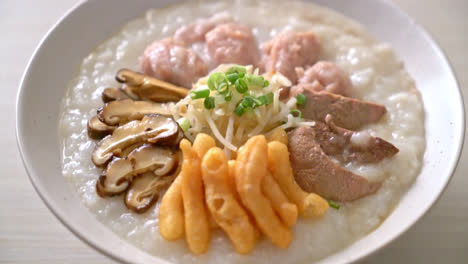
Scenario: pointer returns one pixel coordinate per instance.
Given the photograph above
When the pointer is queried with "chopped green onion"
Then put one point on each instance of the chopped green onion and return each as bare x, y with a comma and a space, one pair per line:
266, 83
232, 77
333, 204
200, 94
257, 102
266, 99
248, 102
237, 69
270, 97
263, 99
184, 123
241, 86
296, 113
223, 88
240, 110
228, 96
215, 79
255, 80
301, 99
209, 102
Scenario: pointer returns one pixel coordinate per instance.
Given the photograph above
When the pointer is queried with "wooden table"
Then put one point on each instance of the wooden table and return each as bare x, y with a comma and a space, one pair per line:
29, 233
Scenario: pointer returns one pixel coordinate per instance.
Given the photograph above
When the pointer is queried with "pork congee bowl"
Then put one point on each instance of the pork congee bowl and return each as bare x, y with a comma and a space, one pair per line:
375, 56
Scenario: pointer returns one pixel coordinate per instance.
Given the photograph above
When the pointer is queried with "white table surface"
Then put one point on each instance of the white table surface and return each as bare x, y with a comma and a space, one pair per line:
29, 233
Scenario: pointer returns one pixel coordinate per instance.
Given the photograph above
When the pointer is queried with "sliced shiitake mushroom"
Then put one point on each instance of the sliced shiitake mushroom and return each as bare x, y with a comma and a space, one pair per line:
144, 191
120, 172
98, 129
112, 94
152, 128
150, 88
160, 160
129, 91
126, 151
155, 94
122, 111
115, 179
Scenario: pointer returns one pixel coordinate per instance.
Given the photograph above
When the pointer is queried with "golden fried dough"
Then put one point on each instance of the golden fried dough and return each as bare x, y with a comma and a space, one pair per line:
251, 168
286, 210
171, 212
197, 229
226, 210
279, 134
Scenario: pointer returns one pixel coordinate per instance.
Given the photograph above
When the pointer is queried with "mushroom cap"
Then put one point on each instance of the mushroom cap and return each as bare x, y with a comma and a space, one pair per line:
98, 129
112, 94
152, 128
120, 172
114, 179
122, 111
144, 191
147, 87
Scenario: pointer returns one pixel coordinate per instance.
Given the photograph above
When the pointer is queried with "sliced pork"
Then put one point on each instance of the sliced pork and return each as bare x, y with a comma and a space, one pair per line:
289, 50
326, 76
195, 32
232, 43
347, 145
170, 61
347, 112
315, 172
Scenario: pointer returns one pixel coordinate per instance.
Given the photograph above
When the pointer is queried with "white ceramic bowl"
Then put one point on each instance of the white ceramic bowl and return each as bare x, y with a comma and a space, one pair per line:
78, 33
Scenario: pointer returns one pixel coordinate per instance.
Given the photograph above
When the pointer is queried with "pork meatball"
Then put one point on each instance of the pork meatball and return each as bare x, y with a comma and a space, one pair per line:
196, 31
232, 43
170, 61
330, 77
289, 50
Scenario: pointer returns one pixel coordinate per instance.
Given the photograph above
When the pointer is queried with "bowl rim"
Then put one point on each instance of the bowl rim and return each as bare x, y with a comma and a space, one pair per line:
371, 250
29, 171
430, 206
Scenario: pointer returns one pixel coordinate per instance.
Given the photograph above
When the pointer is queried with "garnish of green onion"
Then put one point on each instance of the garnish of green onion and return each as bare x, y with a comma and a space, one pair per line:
200, 94
253, 102
228, 96
209, 102
240, 110
301, 99
255, 80
184, 123
241, 86
296, 113
266, 99
238, 78
232, 77
333, 204
237, 69
223, 88
215, 80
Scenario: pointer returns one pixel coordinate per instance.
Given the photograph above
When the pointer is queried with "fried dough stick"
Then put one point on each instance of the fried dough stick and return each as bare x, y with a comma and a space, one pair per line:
171, 210
286, 210
251, 168
197, 228
201, 145
225, 209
